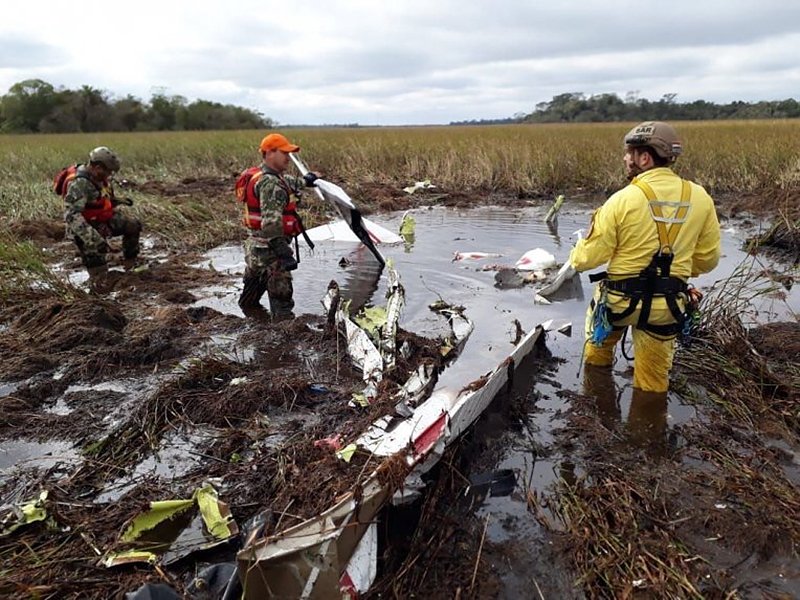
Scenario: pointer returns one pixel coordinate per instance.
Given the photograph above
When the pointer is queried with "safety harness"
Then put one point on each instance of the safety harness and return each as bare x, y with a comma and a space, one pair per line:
655, 279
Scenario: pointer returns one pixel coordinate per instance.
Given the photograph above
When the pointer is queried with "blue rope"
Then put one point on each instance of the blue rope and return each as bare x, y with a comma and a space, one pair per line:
600, 327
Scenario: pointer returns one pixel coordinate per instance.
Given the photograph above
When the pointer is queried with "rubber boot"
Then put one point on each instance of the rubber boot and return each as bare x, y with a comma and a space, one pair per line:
254, 288
130, 239
130, 264
99, 281
257, 313
281, 308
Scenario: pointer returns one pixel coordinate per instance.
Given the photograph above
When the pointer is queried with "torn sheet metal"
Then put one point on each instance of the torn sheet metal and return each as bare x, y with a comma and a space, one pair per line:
474, 255
565, 273
395, 301
416, 387
363, 566
360, 348
371, 346
460, 326
552, 214
339, 231
421, 382
26, 513
335, 554
408, 225
560, 325
537, 259
169, 530
332, 193
419, 185
447, 413
313, 559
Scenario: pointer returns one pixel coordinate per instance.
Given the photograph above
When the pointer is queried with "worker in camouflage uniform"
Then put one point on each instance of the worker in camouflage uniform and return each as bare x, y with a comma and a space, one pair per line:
92, 214
271, 198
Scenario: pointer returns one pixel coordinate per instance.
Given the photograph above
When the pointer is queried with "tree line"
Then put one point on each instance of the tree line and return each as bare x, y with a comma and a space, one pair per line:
576, 107
35, 106
579, 108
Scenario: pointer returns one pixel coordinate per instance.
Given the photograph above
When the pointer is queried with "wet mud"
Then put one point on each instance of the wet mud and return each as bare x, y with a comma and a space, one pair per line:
114, 400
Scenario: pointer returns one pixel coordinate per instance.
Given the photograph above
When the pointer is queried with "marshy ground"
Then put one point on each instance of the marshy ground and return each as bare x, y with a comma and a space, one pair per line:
94, 386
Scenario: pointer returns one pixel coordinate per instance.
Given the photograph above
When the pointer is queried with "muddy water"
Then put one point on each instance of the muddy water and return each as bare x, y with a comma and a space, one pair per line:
428, 273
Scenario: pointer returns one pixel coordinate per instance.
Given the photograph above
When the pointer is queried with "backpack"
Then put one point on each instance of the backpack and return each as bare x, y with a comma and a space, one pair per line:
60, 180
246, 193
64, 176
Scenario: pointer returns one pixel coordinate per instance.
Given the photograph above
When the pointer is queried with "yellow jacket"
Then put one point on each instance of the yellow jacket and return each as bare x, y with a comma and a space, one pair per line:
624, 235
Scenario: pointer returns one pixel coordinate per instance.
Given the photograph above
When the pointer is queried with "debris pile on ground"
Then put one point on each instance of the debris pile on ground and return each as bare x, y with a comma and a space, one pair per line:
265, 418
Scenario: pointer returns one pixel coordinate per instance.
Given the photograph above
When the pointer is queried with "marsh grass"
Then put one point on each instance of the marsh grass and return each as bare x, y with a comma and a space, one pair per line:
621, 538
527, 161
734, 374
190, 224
23, 266
728, 156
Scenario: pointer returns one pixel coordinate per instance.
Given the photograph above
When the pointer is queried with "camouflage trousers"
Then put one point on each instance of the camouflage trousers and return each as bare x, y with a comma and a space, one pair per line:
90, 237
264, 274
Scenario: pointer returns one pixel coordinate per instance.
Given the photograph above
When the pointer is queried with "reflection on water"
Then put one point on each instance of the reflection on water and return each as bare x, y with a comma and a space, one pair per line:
646, 419
24, 454
360, 283
428, 273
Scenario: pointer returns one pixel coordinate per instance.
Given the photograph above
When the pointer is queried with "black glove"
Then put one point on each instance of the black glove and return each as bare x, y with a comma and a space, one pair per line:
283, 251
310, 178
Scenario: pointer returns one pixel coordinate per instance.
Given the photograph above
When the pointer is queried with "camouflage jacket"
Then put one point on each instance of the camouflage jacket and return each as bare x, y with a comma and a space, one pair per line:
81, 192
274, 197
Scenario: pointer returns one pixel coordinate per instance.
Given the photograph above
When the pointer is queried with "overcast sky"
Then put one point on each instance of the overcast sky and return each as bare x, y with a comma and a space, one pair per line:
416, 62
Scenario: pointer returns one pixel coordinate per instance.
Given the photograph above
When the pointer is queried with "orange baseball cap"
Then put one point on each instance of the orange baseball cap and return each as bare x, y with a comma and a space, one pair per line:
276, 141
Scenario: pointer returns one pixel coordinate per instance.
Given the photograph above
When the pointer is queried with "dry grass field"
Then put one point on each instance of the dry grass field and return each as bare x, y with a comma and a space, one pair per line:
530, 160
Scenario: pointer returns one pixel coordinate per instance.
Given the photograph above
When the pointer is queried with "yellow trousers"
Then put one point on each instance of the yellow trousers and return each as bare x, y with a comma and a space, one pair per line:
652, 355
647, 417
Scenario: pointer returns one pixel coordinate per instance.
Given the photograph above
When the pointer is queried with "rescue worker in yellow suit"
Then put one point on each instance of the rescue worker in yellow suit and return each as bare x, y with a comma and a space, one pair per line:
654, 234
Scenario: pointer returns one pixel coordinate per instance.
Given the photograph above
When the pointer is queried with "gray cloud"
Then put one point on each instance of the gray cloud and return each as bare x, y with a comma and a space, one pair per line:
21, 53
423, 61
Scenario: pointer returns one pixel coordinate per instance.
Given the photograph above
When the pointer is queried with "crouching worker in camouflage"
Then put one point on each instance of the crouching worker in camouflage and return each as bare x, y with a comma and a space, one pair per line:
270, 198
91, 211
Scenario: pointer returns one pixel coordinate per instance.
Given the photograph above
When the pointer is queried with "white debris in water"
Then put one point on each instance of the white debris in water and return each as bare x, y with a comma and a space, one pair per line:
537, 259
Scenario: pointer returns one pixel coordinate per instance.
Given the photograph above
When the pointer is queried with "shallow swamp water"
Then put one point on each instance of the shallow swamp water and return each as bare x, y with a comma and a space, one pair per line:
522, 433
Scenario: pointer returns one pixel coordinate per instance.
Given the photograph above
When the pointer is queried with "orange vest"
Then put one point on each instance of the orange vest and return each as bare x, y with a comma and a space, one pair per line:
246, 193
99, 210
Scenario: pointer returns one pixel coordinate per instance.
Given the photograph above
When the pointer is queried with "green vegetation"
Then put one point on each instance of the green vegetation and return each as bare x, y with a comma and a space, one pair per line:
529, 160
35, 106
24, 266
576, 107
753, 156
182, 182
